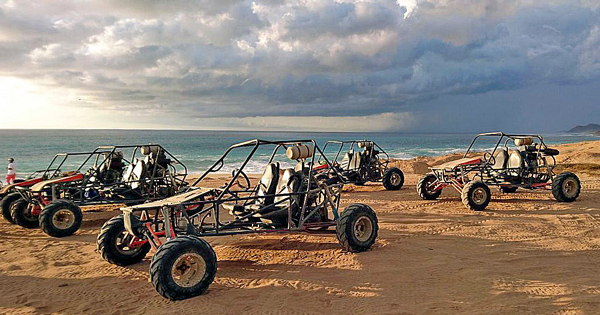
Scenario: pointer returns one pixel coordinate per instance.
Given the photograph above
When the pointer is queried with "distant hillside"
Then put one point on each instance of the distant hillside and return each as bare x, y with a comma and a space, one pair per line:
591, 128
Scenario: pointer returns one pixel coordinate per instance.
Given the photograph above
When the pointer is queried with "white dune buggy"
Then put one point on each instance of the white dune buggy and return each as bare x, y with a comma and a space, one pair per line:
516, 161
291, 196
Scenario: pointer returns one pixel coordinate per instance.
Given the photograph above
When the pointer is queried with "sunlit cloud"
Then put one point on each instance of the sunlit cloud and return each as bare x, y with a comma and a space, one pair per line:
249, 64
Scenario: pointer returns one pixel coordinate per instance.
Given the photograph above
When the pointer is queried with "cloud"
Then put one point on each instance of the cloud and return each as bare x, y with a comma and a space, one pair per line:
259, 61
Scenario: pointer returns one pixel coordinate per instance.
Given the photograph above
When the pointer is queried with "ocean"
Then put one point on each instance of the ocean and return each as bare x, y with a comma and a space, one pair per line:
33, 149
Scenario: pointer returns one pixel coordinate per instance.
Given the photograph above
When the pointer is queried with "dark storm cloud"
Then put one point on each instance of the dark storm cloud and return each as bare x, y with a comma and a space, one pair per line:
296, 58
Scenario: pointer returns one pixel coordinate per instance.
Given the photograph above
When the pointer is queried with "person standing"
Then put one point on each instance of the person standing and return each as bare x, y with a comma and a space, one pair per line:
11, 174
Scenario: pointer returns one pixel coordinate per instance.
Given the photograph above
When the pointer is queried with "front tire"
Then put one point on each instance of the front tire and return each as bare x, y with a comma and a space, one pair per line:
393, 179
357, 228
183, 268
21, 212
476, 195
566, 187
113, 244
6, 205
424, 187
61, 218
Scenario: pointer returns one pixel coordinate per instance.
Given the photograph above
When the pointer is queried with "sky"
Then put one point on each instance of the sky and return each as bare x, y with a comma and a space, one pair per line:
300, 65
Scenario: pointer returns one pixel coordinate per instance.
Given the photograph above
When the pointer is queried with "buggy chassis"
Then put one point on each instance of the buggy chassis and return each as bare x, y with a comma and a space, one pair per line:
112, 179
9, 194
531, 167
301, 202
370, 165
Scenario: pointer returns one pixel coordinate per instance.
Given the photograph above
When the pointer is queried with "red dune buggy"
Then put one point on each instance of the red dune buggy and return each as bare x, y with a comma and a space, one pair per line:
291, 196
515, 161
9, 195
152, 173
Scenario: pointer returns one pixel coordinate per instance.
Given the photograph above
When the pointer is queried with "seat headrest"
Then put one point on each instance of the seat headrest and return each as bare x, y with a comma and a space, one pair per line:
148, 149
300, 151
523, 141
364, 144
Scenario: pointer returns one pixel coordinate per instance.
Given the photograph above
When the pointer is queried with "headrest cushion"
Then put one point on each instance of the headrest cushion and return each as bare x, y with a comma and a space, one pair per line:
148, 149
523, 141
300, 151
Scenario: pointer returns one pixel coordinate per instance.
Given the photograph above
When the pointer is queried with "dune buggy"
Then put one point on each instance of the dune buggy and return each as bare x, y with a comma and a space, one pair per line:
291, 196
8, 194
516, 161
104, 177
364, 161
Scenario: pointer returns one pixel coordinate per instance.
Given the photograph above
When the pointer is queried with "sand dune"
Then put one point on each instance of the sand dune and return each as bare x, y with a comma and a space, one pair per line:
526, 254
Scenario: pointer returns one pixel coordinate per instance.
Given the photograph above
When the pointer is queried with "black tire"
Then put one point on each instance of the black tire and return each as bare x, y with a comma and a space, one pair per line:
21, 214
161, 267
393, 179
112, 250
476, 195
357, 214
508, 189
63, 210
422, 187
6, 205
566, 187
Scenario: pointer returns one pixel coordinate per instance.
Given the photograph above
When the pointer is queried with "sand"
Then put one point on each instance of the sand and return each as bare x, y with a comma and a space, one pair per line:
526, 254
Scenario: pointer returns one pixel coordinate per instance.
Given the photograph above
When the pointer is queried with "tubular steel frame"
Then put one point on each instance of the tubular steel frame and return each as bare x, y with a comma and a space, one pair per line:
374, 160
163, 220
483, 169
74, 189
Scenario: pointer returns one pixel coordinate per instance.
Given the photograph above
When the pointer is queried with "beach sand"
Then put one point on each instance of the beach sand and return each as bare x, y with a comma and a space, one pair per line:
526, 254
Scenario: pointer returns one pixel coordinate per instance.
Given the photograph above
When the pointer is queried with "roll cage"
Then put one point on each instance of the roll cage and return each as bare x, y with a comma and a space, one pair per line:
79, 181
377, 158
483, 167
319, 191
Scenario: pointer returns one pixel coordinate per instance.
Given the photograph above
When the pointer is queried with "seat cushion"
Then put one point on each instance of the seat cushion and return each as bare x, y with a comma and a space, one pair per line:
515, 161
268, 184
345, 163
501, 159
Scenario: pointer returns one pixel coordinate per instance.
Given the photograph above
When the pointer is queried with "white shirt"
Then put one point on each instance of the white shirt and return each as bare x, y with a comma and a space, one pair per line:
11, 168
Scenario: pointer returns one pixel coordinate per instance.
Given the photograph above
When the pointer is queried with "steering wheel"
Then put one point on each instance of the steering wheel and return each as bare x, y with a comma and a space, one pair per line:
242, 180
487, 156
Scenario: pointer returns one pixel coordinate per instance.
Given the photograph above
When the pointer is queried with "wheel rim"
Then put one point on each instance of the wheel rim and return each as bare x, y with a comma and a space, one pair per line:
479, 196
28, 213
63, 219
122, 242
188, 270
429, 187
363, 229
570, 187
395, 179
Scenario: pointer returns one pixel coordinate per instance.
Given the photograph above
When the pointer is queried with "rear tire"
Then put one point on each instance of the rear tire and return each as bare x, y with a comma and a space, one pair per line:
476, 195
357, 228
566, 187
183, 268
112, 244
508, 189
61, 218
393, 179
6, 205
423, 187
21, 214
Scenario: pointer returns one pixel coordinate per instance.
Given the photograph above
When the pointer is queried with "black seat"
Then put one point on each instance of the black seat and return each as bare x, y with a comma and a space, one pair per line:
266, 188
289, 182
